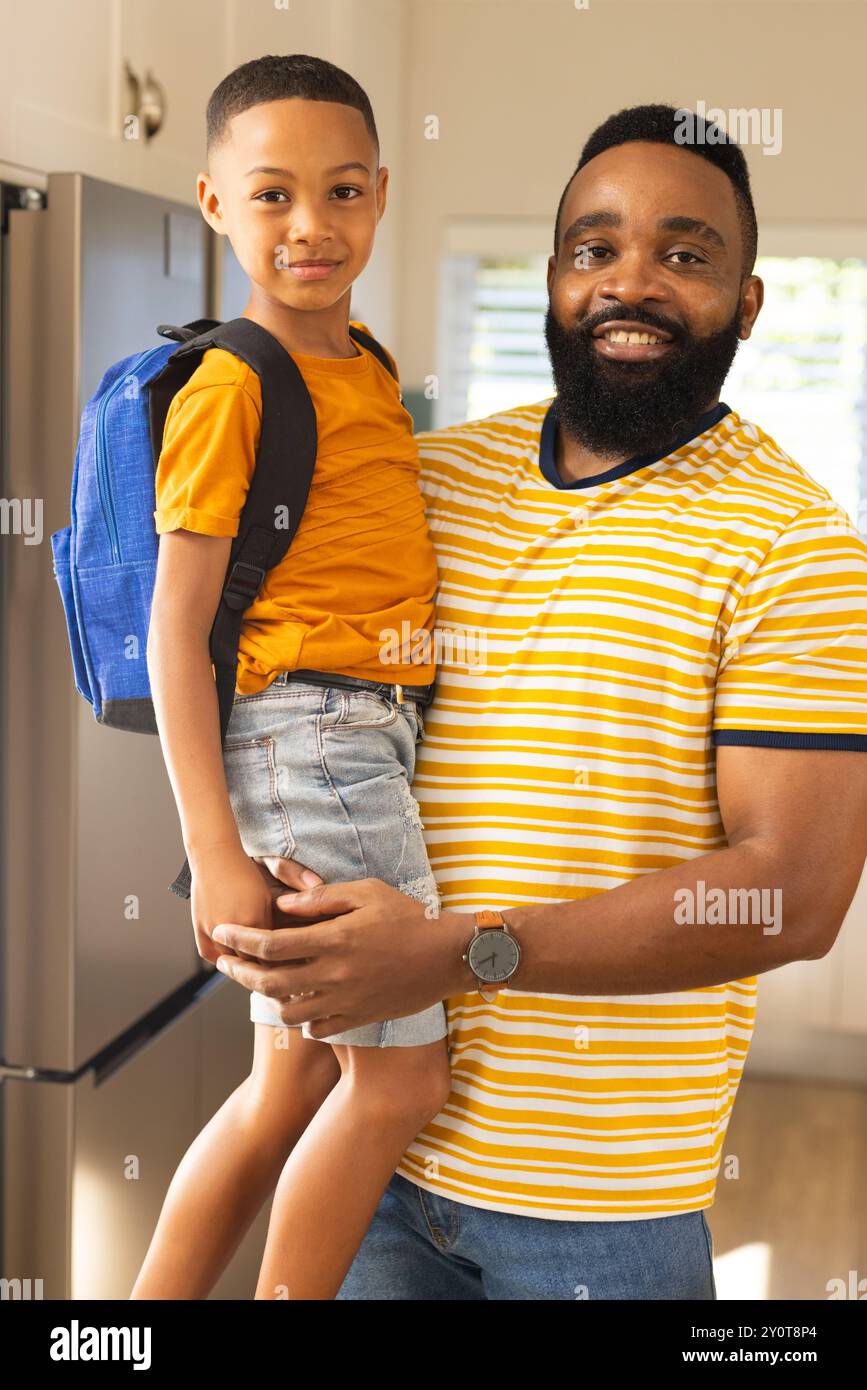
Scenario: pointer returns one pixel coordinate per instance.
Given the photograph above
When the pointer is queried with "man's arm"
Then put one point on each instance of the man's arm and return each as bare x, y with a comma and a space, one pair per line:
795, 821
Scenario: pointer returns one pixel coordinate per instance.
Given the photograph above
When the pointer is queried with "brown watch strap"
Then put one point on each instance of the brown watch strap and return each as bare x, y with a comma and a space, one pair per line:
485, 920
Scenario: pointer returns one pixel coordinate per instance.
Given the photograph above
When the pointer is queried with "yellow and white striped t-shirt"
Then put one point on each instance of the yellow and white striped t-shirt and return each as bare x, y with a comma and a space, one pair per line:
630, 622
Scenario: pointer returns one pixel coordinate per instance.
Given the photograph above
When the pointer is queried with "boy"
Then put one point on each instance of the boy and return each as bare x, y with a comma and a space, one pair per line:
310, 769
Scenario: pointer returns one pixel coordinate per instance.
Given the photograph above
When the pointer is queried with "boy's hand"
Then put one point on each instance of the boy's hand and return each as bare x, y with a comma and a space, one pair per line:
231, 885
279, 875
285, 873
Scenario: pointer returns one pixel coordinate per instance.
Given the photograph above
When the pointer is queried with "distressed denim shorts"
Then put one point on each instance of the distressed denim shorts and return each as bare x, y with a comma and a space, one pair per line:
322, 774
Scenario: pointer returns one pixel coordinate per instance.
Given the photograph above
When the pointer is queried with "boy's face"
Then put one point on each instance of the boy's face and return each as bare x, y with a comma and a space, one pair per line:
296, 181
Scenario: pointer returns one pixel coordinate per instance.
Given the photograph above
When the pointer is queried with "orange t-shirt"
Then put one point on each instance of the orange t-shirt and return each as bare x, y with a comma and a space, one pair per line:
356, 588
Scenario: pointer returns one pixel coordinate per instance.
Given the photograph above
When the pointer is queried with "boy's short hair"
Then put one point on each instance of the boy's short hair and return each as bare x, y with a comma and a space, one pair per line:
277, 76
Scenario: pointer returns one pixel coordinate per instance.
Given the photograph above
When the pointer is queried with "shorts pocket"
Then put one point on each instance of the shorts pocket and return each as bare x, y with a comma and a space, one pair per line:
357, 709
258, 797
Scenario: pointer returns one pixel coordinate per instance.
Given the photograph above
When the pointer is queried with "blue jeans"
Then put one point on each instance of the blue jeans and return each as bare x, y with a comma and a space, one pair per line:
422, 1246
322, 774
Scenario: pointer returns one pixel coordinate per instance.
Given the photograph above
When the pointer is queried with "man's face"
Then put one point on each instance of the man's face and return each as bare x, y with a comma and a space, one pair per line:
297, 181
624, 264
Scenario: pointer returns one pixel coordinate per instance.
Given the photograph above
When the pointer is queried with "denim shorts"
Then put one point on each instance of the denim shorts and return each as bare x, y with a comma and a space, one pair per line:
322, 774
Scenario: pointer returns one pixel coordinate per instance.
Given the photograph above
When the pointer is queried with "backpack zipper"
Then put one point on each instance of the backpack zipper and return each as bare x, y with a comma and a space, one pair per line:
106, 500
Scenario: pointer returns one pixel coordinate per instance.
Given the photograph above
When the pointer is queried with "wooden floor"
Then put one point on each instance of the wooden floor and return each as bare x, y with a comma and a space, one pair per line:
796, 1217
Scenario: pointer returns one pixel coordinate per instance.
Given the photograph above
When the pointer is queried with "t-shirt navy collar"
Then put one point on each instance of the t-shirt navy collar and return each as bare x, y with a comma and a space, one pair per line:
548, 437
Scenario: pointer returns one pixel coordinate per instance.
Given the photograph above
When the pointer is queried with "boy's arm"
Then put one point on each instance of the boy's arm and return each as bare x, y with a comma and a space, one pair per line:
191, 570
205, 467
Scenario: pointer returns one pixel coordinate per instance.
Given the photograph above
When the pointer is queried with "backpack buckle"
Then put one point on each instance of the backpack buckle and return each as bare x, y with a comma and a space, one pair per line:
240, 590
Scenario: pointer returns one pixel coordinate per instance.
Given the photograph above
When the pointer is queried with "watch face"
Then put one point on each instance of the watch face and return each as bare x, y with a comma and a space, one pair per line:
493, 955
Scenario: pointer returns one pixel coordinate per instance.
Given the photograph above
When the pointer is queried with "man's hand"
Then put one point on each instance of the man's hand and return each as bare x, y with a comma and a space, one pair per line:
373, 953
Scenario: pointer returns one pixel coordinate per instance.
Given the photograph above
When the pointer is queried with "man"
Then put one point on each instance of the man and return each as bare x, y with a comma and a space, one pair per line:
655, 778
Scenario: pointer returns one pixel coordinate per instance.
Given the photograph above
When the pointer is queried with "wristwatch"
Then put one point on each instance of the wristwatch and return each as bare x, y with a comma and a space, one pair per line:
493, 954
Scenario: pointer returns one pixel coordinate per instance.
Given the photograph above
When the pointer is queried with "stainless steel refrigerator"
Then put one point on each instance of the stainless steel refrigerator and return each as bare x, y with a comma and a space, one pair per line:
117, 1043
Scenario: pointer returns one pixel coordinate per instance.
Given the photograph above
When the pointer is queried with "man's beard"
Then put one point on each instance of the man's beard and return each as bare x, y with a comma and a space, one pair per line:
620, 409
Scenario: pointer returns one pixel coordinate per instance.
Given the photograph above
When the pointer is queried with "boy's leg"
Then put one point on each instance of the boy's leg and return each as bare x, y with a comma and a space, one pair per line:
232, 1167
337, 1172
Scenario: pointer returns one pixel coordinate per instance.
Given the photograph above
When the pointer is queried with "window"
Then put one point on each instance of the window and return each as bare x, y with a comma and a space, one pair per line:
802, 376
497, 356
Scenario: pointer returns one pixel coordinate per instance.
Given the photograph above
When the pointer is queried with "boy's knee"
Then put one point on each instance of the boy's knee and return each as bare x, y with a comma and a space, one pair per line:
416, 1097
428, 1093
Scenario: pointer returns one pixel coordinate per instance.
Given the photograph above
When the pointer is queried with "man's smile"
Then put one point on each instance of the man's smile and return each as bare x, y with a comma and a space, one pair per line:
627, 341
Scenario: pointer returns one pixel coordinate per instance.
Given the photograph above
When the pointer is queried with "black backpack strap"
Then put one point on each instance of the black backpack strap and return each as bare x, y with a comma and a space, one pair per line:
188, 330
365, 340
275, 499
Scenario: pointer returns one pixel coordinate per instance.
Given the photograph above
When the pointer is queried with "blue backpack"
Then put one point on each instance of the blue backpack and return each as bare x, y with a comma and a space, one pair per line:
105, 561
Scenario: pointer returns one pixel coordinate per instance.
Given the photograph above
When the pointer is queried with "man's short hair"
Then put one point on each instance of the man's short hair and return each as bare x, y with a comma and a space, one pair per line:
659, 125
